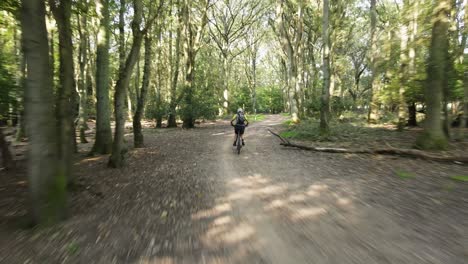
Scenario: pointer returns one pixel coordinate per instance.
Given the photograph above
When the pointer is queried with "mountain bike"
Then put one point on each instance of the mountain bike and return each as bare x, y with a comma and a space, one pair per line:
239, 140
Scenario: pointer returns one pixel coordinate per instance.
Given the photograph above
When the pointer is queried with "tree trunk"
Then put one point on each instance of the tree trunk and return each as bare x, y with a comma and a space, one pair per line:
192, 39
137, 134
171, 121
373, 111
464, 119
433, 136
67, 96
412, 121
404, 63
118, 149
325, 107
122, 11
47, 183
83, 63
7, 158
188, 118
21, 131
103, 142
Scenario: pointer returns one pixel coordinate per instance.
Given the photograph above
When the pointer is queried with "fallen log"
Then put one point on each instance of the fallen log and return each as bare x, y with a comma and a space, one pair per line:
411, 153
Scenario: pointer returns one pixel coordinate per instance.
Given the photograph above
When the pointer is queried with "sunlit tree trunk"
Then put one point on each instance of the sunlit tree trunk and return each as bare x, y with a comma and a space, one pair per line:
404, 64
464, 119
47, 184
193, 33
118, 149
121, 39
171, 122
325, 106
412, 121
433, 136
67, 96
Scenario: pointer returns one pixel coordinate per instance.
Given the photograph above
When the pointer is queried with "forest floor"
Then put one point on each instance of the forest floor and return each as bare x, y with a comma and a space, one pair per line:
189, 198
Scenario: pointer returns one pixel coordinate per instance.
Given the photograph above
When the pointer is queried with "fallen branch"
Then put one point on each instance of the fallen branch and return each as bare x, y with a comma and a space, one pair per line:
412, 153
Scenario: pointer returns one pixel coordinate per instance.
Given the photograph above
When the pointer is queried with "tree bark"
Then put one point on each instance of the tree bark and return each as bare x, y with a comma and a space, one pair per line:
434, 136
103, 142
82, 19
404, 64
47, 183
116, 159
137, 134
7, 157
171, 121
193, 34
325, 107
412, 121
67, 96
122, 10
464, 118
373, 111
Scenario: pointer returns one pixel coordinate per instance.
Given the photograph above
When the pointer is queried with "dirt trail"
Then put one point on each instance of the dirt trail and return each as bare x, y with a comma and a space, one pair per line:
189, 198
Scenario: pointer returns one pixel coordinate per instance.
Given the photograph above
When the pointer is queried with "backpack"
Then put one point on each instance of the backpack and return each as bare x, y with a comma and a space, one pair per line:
240, 119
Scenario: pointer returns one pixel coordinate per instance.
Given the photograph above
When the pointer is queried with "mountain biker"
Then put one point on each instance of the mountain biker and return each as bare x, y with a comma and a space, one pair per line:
239, 126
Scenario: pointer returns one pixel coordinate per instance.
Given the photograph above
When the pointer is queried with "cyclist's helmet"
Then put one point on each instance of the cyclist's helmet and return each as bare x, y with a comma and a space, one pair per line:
240, 110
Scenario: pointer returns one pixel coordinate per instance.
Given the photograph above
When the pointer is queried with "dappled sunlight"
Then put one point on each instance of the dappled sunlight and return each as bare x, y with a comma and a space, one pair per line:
271, 190
219, 209
241, 194
297, 198
239, 233
223, 231
90, 159
306, 213
224, 220
275, 204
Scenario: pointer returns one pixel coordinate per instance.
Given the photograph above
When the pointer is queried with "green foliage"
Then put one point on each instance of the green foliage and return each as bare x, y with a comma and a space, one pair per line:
269, 100
404, 174
463, 178
256, 118
72, 248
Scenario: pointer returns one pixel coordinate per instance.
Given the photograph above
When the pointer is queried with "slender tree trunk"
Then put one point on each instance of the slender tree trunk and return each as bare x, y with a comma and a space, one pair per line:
325, 107
118, 149
373, 111
122, 10
21, 132
103, 142
67, 96
137, 134
412, 121
7, 157
434, 136
404, 63
83, 63
254, 82
171, 122
47, 183
464, 118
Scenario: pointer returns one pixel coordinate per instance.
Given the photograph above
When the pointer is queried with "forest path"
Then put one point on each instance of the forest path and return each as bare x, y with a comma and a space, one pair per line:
187, 197
287, 206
